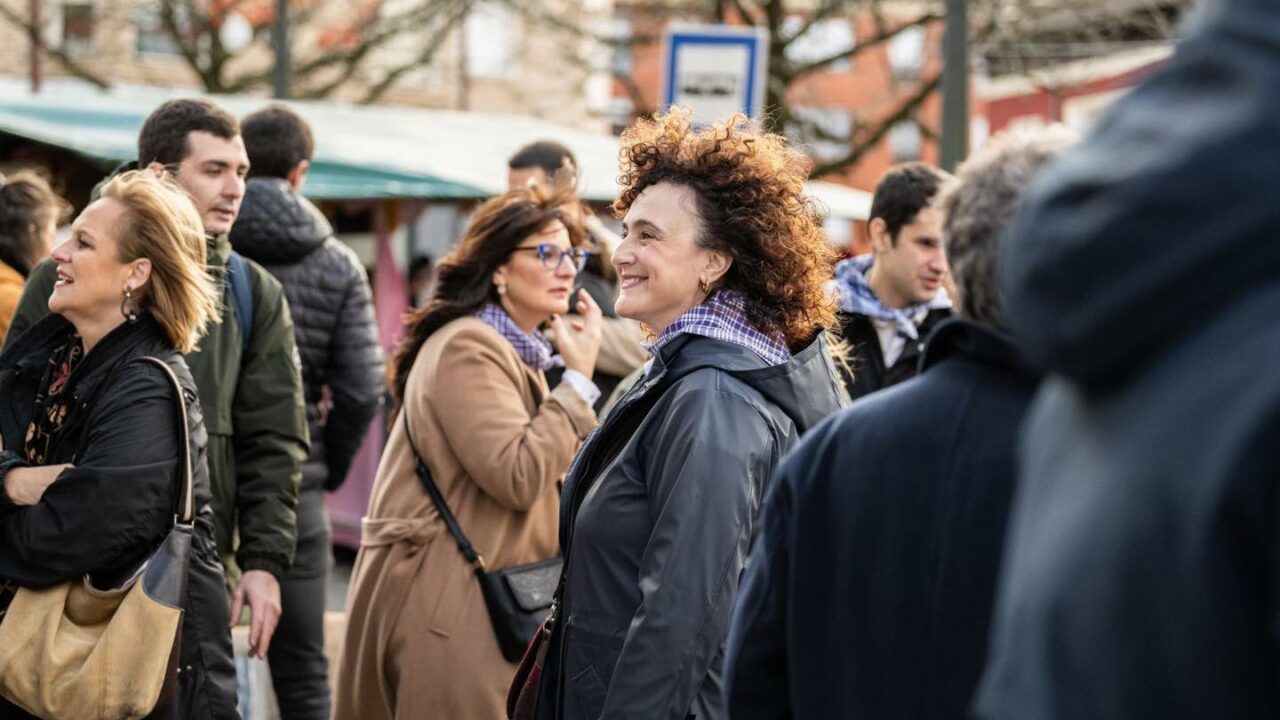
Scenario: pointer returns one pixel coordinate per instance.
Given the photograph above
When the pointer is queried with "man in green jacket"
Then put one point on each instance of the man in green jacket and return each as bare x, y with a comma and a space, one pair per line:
251, 394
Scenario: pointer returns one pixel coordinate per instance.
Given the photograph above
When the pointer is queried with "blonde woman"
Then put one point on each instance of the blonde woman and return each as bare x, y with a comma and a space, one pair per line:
89, 466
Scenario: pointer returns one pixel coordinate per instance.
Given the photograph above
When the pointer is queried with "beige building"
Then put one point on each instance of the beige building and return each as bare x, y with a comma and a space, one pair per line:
492, 59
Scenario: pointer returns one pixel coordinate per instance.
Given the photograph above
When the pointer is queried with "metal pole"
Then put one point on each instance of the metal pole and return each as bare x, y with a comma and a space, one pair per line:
955, 85
37, 70
282, 78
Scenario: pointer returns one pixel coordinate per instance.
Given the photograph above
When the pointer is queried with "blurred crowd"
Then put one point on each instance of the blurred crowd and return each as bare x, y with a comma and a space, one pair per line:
1015, 462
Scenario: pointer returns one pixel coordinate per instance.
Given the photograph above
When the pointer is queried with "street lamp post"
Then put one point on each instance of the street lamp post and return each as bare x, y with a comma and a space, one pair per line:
37, 71
281, 78
955, 85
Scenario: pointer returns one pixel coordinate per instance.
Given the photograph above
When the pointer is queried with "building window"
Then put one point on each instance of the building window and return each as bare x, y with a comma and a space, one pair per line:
906, 53
153, 37
822, 40
904, 141
622, 112
620, 34
824, 133
77, 27
491, 39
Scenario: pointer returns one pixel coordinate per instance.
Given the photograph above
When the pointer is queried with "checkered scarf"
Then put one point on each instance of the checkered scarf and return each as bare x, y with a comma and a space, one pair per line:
533, 348
723, 316
857, 297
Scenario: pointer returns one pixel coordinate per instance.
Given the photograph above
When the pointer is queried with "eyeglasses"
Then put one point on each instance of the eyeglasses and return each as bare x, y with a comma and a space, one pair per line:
553, 257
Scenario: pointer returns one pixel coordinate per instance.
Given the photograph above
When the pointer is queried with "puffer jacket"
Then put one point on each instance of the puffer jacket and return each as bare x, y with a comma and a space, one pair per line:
332, 310
658, 512
111, 510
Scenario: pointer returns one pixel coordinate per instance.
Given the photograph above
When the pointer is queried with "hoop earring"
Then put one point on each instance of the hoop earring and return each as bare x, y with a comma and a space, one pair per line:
128, 308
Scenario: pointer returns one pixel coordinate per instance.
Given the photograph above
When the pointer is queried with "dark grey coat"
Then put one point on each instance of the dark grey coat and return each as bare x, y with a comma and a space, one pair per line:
1143, 574
332, 311
656, 523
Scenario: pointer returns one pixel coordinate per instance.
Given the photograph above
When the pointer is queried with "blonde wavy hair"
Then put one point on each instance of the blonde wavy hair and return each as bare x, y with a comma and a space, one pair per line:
161, 224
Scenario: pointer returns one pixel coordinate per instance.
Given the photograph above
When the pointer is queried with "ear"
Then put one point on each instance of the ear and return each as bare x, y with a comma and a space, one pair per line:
718, 263
499, 275
139, 273
157, 169
298, 175
878, 230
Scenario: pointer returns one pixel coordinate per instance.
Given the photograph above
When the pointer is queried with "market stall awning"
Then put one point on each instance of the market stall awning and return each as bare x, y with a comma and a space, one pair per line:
362, 151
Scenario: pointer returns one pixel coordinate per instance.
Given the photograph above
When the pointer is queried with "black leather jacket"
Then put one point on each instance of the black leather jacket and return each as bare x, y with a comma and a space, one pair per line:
111, 510
332, 316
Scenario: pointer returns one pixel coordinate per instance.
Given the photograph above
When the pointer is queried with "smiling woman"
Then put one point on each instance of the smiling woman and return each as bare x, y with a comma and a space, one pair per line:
91, 435
724, 260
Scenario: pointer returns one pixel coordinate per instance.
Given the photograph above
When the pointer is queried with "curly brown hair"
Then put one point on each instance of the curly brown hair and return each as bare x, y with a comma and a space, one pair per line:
752, 206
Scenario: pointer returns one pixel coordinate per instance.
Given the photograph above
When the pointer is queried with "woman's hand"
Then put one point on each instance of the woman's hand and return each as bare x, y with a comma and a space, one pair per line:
578, 339
26, 485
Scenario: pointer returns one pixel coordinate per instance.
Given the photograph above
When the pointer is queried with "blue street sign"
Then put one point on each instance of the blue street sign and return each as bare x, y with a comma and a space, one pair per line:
715, 70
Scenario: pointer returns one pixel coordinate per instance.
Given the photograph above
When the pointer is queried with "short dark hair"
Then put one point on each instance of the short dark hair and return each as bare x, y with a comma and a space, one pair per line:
277, 139
902, 192
163, 137
546, 154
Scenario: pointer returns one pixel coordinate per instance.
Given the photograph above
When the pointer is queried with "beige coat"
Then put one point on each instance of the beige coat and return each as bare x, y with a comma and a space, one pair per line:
419, 644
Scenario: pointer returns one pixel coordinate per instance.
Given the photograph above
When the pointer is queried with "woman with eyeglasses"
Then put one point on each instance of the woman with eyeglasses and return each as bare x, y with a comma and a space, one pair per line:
473, 402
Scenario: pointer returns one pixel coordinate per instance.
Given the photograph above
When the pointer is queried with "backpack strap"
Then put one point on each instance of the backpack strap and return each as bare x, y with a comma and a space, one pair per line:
241, 296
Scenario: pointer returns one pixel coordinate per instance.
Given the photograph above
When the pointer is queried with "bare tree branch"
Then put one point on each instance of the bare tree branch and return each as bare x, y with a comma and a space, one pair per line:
428, 51
862, 46
822, 12
868, 139
69, 63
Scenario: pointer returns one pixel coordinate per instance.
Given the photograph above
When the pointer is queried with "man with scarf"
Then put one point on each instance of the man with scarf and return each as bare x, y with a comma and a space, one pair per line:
892, 297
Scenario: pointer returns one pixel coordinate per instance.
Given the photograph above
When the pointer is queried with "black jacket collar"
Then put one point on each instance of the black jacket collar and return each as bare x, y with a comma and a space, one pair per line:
958, 337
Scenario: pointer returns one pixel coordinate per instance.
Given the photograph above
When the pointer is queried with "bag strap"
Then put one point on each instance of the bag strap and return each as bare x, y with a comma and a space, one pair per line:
429, 484
241, 296
185, 511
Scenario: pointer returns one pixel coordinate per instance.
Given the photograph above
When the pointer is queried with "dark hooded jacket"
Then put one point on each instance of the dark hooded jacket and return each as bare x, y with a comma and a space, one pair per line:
657, 516
1142, 579
110, 512
332, 318
868, 593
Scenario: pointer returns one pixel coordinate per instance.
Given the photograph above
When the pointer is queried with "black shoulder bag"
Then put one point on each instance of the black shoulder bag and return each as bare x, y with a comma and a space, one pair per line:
517, 597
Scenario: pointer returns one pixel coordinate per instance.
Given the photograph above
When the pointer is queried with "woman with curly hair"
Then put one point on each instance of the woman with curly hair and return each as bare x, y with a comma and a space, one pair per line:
724, 261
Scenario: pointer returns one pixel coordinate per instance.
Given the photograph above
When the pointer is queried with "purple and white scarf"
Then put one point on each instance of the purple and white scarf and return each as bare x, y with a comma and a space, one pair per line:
533, 348
856, 296
723, 316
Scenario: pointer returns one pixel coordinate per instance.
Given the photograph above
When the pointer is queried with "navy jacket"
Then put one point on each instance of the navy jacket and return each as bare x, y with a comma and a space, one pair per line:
869, 591
1143, 579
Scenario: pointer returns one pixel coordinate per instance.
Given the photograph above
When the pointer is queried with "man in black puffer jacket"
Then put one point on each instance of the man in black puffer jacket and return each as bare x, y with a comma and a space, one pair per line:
333, 316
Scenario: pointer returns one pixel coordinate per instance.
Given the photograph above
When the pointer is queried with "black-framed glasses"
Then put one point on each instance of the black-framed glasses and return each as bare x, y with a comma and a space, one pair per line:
553, 257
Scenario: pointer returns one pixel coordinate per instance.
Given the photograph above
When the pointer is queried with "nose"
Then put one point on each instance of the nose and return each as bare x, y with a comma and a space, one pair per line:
61, 252
624, 255
566, 268
233, 187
